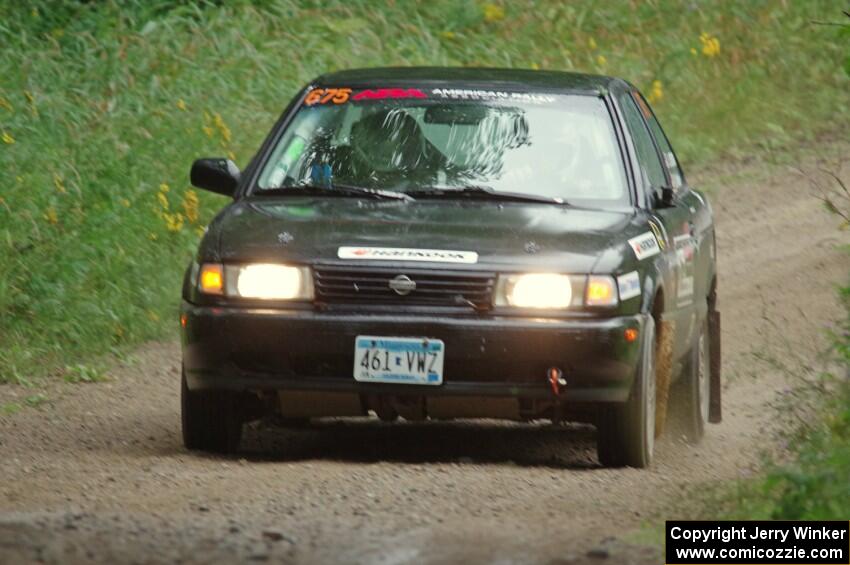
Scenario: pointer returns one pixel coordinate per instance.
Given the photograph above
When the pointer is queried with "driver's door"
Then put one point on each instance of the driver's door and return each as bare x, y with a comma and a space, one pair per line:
695, 241
673, 224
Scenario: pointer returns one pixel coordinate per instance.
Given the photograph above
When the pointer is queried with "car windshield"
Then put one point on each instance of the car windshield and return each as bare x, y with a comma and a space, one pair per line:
422, 141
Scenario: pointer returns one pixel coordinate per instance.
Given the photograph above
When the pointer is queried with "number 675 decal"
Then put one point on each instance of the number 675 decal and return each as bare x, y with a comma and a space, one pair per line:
325, 95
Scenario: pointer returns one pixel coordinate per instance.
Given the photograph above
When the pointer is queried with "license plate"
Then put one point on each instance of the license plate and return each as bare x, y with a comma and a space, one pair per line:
402, 360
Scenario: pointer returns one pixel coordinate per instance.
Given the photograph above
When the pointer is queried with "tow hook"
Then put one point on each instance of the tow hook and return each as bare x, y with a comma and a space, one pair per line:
556, 380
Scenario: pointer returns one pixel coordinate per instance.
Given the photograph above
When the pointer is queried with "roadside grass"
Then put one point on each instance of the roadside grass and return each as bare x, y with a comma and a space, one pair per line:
31, 401
103, 106
811, 481
80, 373
807, 479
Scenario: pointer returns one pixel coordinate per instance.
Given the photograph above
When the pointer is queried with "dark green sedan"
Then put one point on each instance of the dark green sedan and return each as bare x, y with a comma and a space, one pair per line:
440, 243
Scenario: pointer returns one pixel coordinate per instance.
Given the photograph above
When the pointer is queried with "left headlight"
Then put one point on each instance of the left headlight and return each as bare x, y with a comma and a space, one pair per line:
262, 281
535, 290
555, 291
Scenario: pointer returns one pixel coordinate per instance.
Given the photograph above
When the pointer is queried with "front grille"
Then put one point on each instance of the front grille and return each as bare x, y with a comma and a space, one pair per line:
343, 284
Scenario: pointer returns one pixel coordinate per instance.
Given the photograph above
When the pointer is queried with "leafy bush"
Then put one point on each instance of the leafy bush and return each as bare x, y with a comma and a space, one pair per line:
103, 106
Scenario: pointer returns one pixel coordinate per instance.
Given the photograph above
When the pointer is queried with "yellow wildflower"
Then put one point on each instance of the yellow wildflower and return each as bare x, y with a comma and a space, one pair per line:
153, 316
656, 93
51, 216
190, 206
125, 203
591, 43
694, 51
200, 230
7, 138
5, 104
31, 101
535, 66
152, 236
59, 184
208, 130
34, 12
225, 133
493, 13
181, 105
164, 187
231, 155
710, 45
174, 222
447, 34
601, 60
163, 200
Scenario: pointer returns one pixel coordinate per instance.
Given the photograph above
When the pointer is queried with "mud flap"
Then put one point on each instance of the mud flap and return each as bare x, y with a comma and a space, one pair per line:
715, 414
663, 372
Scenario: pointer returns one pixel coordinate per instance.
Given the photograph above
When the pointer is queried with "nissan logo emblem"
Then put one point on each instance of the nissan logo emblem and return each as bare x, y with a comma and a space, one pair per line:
402, 285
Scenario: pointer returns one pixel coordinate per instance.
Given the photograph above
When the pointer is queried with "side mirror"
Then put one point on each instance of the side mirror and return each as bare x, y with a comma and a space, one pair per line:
668, 197
216, 175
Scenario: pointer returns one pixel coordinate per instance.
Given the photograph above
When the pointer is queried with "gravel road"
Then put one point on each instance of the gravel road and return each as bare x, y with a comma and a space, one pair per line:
99, 474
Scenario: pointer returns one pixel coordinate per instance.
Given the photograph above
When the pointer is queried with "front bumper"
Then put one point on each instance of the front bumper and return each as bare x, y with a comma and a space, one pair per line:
239, 349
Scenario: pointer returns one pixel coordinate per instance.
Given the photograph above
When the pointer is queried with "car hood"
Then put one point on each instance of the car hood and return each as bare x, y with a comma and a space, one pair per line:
512, 235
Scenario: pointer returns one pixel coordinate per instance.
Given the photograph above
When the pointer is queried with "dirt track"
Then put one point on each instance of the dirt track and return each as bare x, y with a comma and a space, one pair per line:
100, 473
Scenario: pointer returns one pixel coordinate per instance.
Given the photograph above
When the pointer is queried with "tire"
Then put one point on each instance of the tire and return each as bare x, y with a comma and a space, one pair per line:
211, 420
626, 432
692, 391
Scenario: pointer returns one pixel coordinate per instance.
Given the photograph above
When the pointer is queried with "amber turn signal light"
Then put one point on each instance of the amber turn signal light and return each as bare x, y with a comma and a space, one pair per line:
601, 291
631, 334
212, 279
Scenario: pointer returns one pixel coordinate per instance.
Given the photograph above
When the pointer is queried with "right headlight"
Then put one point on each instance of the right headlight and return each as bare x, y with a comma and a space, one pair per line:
262, 281
555, 291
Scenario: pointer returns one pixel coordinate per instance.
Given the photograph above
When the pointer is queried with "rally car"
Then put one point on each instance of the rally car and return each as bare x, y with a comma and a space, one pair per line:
439, 243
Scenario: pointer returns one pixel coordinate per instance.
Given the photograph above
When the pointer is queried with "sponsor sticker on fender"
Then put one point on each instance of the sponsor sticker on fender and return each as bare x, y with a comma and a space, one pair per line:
629, 285
644, 245
660, 234
406, 254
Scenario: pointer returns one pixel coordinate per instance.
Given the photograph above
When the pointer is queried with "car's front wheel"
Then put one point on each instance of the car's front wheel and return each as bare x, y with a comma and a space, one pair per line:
626, 432
211, 419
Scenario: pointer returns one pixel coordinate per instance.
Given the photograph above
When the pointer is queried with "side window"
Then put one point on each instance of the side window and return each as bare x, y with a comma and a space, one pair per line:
676, 177
651, 168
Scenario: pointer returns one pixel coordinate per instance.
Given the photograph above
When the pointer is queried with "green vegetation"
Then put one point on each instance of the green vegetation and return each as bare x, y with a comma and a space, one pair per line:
84, 374
32, 401
812, 483
103, 106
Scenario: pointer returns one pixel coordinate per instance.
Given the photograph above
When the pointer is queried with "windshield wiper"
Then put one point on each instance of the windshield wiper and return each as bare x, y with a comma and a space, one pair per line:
484, 193
333, 190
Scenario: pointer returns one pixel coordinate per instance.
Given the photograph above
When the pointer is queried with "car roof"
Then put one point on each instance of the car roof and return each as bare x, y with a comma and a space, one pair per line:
460, 77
